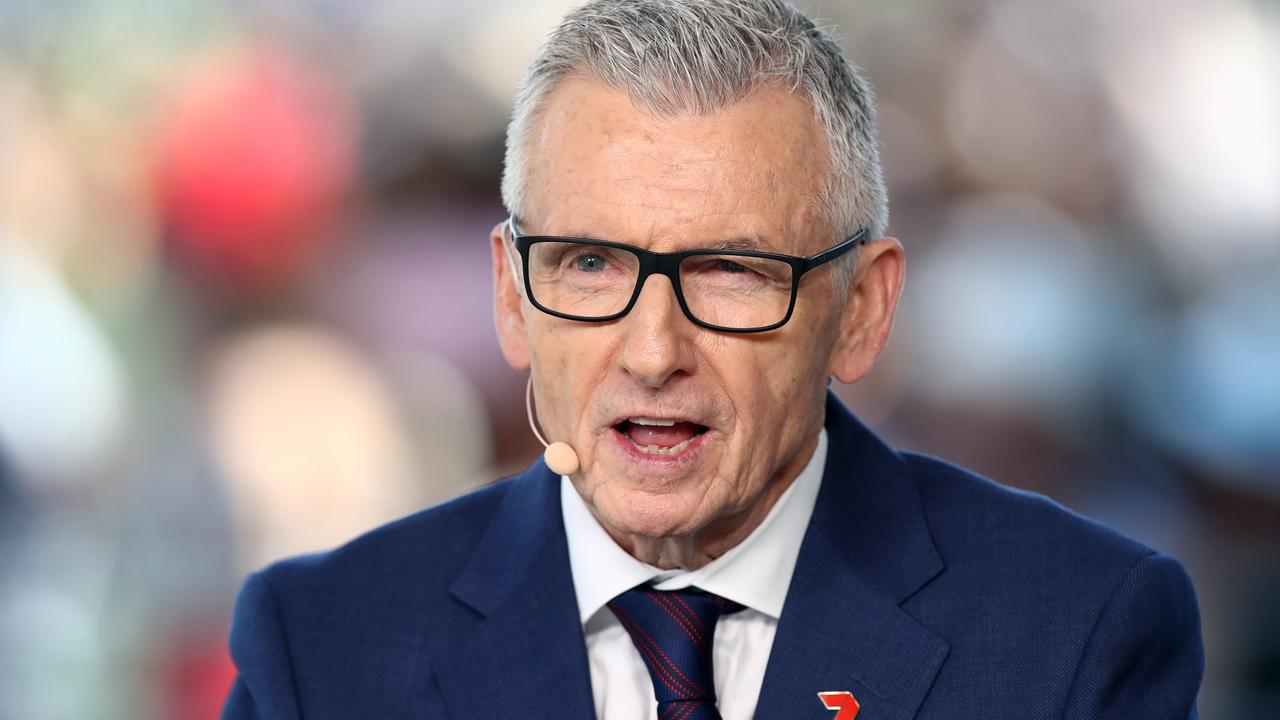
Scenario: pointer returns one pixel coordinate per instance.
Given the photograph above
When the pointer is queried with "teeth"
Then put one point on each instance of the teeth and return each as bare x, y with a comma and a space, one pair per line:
651, 421
658, 450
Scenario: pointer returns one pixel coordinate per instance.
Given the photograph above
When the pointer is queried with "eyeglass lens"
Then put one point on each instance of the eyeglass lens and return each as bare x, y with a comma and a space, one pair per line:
596, 281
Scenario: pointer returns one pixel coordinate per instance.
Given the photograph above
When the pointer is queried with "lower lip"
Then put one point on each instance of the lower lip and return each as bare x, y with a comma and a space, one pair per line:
653, 460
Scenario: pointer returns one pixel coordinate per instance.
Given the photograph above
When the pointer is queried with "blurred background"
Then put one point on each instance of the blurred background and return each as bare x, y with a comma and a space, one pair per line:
245, 297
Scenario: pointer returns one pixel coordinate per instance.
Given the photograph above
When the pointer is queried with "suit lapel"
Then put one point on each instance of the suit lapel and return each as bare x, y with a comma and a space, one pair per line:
866, 551
527, 657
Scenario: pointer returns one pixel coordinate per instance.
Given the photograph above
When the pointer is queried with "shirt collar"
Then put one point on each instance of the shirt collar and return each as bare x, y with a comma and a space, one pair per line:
756, 572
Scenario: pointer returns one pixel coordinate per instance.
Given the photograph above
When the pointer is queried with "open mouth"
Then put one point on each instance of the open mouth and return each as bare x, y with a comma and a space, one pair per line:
660, 436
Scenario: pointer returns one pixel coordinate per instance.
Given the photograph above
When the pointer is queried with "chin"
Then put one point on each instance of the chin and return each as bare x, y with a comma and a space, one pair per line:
650, 515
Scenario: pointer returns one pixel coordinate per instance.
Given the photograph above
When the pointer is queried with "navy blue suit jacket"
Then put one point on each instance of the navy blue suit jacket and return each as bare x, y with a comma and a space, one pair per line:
924, 590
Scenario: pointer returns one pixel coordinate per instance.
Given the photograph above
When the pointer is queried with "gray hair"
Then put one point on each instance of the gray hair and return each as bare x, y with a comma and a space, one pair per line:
701, 56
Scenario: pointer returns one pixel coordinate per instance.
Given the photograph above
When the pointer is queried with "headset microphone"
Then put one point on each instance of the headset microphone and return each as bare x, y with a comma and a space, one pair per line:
559, 456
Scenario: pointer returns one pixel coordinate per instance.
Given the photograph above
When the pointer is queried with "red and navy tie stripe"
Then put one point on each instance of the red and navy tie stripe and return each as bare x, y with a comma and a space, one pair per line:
674, 631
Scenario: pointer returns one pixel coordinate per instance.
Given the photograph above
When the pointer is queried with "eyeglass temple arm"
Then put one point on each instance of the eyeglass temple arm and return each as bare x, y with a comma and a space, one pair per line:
860, 238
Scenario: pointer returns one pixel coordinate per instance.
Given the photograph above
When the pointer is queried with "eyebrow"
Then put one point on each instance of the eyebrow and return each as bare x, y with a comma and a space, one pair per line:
740, 243
744, 242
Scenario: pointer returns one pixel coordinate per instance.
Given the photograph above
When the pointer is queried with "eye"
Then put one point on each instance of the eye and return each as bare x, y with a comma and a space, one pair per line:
589, 263
730, 266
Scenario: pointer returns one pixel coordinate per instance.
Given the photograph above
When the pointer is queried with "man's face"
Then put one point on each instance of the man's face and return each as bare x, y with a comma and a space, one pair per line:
746, 408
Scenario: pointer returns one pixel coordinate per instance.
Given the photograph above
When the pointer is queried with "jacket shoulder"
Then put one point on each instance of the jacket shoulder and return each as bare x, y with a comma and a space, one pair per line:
386, 589
437, 540
974, 518
1078, 615
321, 630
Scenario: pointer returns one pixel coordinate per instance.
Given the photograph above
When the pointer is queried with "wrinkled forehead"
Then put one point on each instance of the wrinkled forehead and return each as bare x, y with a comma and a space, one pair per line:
602, 165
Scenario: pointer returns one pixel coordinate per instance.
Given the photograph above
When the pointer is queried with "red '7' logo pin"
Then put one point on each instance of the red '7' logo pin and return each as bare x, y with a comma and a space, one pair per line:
843, 702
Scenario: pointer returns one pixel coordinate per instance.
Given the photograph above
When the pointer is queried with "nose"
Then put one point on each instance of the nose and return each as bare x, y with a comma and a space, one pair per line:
657, 345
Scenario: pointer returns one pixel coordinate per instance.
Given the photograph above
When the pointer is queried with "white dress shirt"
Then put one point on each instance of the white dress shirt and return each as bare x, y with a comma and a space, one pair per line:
755, 573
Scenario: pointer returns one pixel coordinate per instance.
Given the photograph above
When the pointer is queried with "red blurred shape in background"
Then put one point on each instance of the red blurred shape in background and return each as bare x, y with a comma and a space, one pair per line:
195, 674
254, 159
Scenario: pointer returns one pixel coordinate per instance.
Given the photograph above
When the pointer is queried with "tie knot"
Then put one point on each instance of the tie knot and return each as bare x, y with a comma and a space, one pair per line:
674, 631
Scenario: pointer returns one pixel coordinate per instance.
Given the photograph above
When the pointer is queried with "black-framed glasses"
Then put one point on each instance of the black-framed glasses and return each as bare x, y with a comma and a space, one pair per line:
737, 291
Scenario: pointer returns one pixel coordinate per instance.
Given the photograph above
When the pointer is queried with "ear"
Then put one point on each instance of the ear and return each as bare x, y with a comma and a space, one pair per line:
507, 300
868, 309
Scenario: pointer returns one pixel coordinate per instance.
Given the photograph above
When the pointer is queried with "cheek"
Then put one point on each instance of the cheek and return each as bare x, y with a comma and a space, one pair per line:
767, 384
775, 393
568, 362
550, 368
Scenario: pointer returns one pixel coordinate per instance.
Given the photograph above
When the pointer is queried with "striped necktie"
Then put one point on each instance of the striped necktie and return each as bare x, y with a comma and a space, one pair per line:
674, 630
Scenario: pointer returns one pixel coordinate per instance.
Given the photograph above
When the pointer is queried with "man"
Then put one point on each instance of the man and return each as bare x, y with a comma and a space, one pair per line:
695, 249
